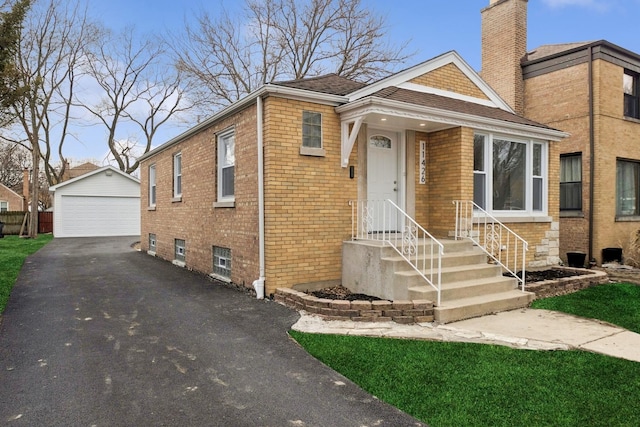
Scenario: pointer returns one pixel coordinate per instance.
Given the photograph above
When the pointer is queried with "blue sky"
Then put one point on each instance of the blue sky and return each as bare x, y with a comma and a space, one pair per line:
433, 26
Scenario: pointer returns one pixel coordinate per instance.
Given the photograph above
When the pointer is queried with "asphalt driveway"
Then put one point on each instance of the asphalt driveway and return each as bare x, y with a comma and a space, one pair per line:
97, 334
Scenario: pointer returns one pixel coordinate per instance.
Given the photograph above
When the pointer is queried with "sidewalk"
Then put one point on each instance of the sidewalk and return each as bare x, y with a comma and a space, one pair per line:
525, 328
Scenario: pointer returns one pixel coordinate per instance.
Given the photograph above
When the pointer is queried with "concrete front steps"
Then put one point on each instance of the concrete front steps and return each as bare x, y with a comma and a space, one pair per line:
471, 286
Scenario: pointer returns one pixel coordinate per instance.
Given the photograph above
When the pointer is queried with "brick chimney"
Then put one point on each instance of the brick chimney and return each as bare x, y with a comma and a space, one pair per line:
25, 189
504, 45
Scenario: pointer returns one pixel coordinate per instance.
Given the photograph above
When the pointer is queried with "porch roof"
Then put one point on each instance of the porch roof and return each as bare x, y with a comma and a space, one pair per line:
427, 112
452, 104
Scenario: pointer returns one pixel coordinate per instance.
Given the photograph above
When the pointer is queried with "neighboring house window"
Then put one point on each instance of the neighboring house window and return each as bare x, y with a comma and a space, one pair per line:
631, 95
177, 175
509, 175
222, 262
4, 206
571, 182
311, 129
627, 188
179, 250
152, 242
152, 185
226, 166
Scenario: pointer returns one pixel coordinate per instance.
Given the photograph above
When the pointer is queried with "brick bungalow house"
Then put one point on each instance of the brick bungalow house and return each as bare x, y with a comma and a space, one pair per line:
270, 191
590, 90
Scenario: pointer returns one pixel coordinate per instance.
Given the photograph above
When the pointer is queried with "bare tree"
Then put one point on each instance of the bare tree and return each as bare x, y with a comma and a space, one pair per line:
138, 89
13, 160
284, 39
52, 42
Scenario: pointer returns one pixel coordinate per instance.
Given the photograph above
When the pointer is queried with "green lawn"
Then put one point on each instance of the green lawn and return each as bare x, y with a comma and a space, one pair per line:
617, 303
13, 251
461, 384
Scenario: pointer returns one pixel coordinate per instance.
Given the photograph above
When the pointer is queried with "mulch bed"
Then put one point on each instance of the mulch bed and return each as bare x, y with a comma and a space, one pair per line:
550, 274
342, 293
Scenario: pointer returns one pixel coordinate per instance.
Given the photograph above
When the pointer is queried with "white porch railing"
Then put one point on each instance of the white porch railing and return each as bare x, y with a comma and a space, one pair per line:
502, 245
384, 221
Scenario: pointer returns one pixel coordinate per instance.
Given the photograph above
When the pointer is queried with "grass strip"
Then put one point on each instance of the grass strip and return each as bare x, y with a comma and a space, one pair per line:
462, 384
13, 251
617, 303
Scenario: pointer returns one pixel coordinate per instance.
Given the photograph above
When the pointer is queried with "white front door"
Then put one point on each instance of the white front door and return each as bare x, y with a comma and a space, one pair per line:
382, 175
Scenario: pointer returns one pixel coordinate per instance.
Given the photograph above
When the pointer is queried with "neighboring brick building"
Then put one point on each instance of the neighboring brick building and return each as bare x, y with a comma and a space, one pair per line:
590, 90
262, 190
10, 200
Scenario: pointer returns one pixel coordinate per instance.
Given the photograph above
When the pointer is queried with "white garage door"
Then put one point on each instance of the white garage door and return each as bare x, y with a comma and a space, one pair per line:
82, 216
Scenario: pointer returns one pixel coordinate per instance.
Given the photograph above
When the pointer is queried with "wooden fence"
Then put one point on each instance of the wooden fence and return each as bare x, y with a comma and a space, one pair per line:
13, 221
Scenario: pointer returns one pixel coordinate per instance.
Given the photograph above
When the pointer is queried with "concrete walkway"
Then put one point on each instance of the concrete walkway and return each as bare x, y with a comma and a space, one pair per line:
524, 328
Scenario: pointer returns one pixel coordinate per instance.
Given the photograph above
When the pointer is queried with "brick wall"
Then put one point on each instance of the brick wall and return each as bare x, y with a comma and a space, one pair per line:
450, 78
560, 100
14, 200
194, 218
616, 137
504, 44
307, 212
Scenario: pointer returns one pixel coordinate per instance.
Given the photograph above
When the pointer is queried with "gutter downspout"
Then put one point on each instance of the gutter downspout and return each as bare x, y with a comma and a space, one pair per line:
258, 284
591, 154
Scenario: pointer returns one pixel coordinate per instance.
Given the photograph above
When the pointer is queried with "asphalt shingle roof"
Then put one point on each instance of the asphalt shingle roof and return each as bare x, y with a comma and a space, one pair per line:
452, 104
329, 83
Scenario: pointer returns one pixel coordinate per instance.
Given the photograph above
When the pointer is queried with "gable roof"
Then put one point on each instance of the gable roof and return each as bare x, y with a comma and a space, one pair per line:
10, 190
452, 57
92, 173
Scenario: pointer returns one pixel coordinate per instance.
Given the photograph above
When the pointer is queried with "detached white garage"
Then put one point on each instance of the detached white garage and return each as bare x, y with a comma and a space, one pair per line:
104, 202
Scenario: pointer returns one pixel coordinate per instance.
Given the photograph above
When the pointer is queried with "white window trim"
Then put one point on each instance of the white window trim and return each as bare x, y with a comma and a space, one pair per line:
6, 202
152, 185
177, 194
226, 201
527, 214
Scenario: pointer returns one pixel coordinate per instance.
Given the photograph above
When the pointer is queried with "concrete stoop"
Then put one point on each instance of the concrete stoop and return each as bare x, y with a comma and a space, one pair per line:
471, 286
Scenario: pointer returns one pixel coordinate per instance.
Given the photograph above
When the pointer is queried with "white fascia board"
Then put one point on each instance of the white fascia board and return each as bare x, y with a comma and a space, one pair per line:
428, 66
268, 89
53, 188
447, 94
373, 105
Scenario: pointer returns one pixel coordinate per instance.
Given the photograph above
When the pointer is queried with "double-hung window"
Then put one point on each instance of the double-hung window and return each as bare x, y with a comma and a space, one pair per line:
4, 206
631, 95
177, 175
152, 185
312, 134
571, 182
226, 166
311, 129
627, 188
510, 175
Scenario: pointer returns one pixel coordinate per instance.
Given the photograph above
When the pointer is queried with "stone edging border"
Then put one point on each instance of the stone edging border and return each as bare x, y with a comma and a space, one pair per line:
404, 312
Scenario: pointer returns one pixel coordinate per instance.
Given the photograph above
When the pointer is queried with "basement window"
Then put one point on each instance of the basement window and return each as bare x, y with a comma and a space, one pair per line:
152, 243
222, 263
180, 252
